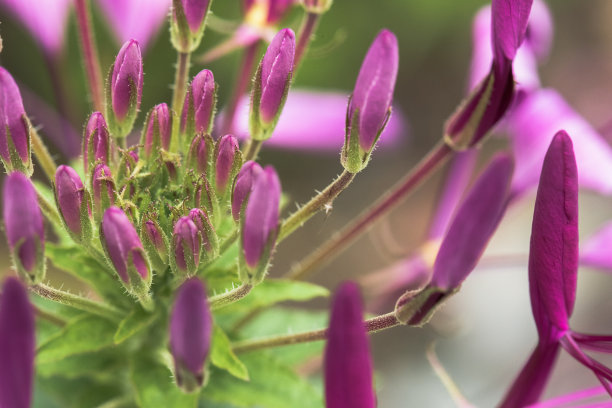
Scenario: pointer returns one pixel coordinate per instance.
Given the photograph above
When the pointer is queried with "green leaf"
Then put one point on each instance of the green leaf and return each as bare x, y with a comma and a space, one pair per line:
102, 364
85, 334
77, 393
222, 356
155, 386
137, 320
272, 385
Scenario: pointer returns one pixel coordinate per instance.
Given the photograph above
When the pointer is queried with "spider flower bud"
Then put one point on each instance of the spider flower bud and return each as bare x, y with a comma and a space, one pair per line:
23, 224
348, 364
243, 186
316, 6
186, 244
467, 237
96, 141
199, 106
210, 242
155, 243
14, 127
228, 160
17, 345
73, 203
271, 84
158, 130
103, 189
199, 157
204, 197
124, 86
187, 23
124, 249
259, 226
190, 329
370, 105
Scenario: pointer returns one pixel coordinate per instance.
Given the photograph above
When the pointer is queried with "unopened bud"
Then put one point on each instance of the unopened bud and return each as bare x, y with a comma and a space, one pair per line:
228, 160
186, 244
155, 244
157, 132
243, 186
199, 106
102, 189
187, 23
210, 242
96, 141
73, 203
199, 157
14, 127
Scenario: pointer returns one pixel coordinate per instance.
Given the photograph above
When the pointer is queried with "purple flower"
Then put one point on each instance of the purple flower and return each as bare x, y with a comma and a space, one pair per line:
243, 186
190, 333
348, 364
17, 345
553, 268
45, 19
103, 189
158, 129
186, 242
199, 106
124, 248
200, 153
23, 224
137, 19
205, 228
227, 163
270, 11
14, 128
195, 11
260, 226
96, 141
125, 85
369, 105
71, 199
271, 84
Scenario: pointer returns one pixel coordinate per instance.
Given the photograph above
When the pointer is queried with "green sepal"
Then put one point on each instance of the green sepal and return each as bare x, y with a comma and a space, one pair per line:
37, 274
192, 160
181, 36
90, 151
139, 286
105, 200
257, 274
260, 129
192, 267
158, 257
415, 308
15, 161
223, 194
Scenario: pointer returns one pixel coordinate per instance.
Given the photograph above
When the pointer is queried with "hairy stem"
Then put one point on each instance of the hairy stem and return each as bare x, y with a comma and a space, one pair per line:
180, 81
252, 148
42, 155
234, 295
319, 202
90, 54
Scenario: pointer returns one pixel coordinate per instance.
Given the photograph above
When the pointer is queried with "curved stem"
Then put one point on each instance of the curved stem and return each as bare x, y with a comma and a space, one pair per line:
319, 202
229, 241
180, 81
90, 54
307, 29
42, 154
372, 325
339, 242
234, 295
251, 150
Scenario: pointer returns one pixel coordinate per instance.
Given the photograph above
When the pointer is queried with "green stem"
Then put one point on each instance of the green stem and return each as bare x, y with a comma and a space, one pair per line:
229, 241
319, 202
42, 155
340, 241
90, 54
372, 325
180, 81
78, 302
251, 150
57, 321
49, 210
234, 295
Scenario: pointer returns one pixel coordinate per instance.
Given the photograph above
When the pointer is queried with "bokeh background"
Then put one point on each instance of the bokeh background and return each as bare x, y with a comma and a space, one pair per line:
485, 332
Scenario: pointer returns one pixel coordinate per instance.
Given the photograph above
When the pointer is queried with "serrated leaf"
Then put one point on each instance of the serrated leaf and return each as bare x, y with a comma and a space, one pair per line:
102, 364
155, 387
82, 335
137, 320
222, 356
272, 385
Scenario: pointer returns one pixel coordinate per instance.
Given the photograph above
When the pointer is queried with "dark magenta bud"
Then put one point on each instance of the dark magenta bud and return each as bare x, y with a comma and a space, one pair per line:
23, 224
243, 186
199, 157
157, 132
96, 141
186, 243
191, 326
228, 159
72, 202
103, 189
155, 243
187, 24
199, 106
14, 126
210, 242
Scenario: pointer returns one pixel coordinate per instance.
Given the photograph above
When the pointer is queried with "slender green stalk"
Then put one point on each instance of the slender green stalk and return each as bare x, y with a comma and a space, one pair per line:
48, 210
251, 150
229, 241
234, 295
42, 155
340, 241
78, 302
180, 81
372, 325
321, 201
90, 54
57, 321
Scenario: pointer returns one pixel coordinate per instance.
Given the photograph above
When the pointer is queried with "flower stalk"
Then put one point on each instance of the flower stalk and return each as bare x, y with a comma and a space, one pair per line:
90, 54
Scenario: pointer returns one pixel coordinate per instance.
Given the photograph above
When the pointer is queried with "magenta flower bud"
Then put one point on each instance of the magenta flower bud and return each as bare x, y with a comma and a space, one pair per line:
187, 24
125, 89
199, 106
14, 126
103, 189
370, 105
228, 160
17, 345
190, 329
155, 243
158, 129
23, 223
272, 81
204, 197
186, 243
200, 154
96, 141
243, 186
348, 364
125, 251
260, 226
72, 202
207, 232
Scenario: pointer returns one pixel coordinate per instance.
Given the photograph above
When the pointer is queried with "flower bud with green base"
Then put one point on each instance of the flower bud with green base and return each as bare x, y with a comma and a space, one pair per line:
199, 106
271, 85
126, 254
96, 142
23, 224
157, 132
155, 243
199, 157
210, 241
102, 189
14, 127
73, 202
259, 227
370, 104
186, 245
124, 89
204, 197
243, 186
187, 23
228, 159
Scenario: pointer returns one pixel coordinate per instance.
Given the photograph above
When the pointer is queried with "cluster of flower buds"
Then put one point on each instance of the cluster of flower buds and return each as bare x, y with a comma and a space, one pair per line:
187, 23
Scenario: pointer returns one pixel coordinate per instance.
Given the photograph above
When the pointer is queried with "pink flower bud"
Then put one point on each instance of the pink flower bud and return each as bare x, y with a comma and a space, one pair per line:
199, 105
125, 87
96, 141
227, 162
70, 194
186, 243
158, 129
14, 128
206, 229
243, 186
102, 188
